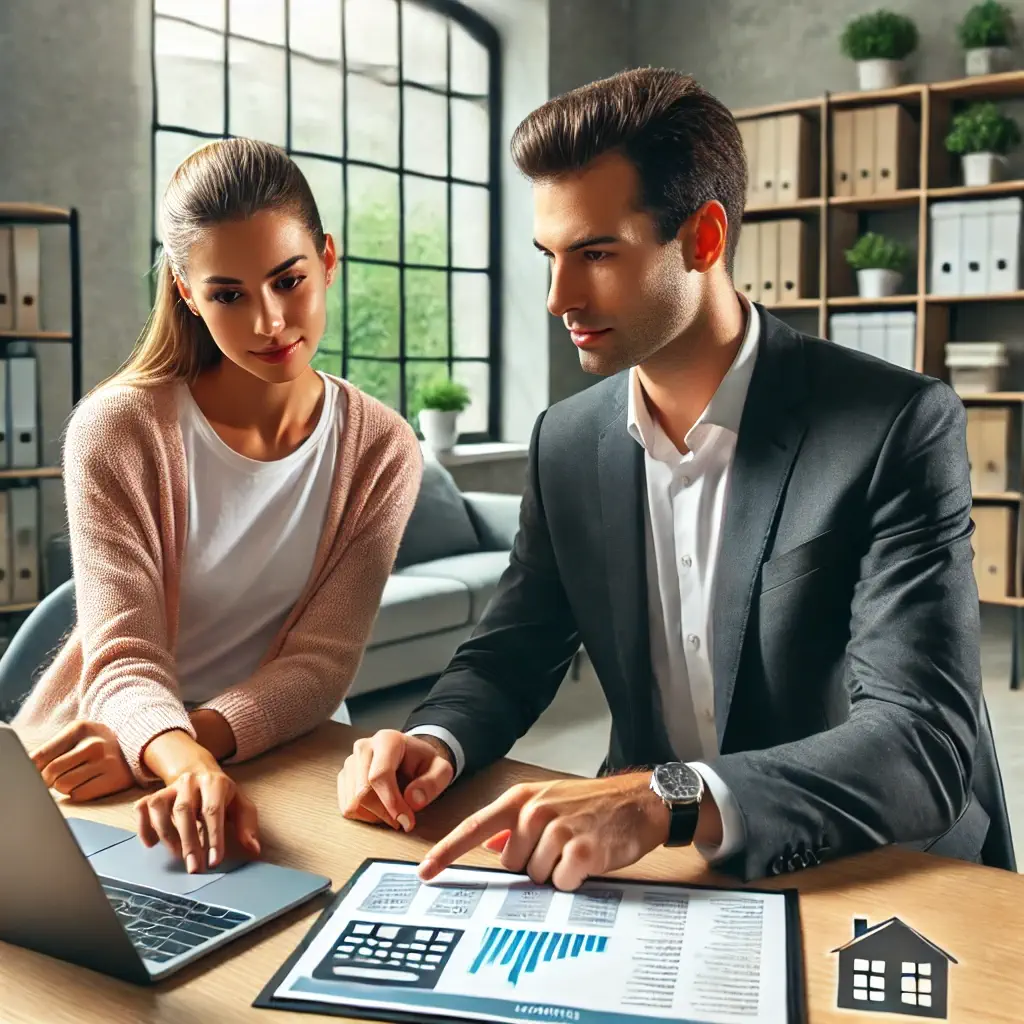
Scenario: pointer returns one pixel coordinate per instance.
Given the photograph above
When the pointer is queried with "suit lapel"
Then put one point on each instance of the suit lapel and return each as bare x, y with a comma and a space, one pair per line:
771, 430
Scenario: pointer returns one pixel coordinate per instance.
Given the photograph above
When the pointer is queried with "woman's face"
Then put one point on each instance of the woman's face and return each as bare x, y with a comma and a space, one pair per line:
261, 288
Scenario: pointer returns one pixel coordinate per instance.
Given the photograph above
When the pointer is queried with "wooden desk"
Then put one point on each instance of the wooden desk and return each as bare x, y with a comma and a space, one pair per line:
976, 914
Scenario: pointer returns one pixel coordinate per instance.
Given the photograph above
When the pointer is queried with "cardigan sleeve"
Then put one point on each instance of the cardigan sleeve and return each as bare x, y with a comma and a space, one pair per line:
113, 494
304, 684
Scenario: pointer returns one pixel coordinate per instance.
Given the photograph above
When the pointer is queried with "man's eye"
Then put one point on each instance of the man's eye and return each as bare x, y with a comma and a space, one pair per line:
595, 255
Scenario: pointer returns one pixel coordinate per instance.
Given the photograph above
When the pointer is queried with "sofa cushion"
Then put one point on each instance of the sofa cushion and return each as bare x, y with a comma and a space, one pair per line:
440, 524
479, 572
415, 605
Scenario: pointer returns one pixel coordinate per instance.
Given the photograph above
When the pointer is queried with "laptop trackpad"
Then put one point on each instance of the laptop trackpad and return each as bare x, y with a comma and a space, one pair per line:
156, 867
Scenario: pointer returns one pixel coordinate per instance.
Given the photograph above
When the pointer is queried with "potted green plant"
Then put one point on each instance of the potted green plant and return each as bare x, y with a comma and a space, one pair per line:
986, 34
442, 400
880, 263
982, 136
879, 42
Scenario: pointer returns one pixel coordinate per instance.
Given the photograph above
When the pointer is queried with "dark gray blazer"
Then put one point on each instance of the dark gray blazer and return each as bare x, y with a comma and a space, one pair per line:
846, 620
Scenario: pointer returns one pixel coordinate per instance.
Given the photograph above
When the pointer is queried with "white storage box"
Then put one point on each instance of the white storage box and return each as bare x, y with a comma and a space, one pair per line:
976, 367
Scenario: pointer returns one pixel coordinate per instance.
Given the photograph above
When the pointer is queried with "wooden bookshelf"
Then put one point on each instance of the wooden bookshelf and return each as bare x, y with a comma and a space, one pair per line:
997, 188
32, 473
1005, 497
903, 198
859, 302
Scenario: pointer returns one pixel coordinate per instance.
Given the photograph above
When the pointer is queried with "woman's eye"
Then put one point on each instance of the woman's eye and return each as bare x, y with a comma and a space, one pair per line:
290, 282
226, 297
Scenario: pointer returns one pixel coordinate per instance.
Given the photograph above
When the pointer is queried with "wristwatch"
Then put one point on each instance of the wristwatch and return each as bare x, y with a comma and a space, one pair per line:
681, 789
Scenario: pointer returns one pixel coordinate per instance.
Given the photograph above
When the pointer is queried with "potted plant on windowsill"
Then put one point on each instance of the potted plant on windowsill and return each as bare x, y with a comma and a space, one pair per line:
982, 136
986, 34
879, 42
880, 263
442, 401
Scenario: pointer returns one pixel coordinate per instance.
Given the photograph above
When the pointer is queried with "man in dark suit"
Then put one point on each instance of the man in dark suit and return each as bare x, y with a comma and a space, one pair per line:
762, 540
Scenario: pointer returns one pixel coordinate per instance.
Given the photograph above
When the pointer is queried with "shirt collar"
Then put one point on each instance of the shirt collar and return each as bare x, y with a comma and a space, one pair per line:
726, 406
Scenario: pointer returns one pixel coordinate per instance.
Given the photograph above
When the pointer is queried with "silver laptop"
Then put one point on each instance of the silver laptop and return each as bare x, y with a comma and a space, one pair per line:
94, 895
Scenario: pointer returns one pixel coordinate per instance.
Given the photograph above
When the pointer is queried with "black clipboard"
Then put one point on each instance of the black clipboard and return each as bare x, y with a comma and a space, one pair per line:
795, 981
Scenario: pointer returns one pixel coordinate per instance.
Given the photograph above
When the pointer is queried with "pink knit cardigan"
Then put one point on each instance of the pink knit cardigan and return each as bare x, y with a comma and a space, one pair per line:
126, 485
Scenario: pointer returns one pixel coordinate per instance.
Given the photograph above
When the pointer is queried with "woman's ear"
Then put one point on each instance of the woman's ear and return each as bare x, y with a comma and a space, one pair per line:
185, 293
330, 258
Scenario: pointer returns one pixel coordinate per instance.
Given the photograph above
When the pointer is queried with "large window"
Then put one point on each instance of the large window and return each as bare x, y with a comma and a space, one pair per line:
390, 107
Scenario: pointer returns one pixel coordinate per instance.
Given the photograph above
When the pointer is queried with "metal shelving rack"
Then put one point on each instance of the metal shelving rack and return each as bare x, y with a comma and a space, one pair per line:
38, 215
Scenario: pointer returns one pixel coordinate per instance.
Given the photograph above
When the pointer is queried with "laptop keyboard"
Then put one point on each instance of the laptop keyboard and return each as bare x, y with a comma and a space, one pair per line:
161, 925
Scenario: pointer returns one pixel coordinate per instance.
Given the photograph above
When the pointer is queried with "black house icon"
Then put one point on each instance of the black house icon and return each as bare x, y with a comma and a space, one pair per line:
893, 969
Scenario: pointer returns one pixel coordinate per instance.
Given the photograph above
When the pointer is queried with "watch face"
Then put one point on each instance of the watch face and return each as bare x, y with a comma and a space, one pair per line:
678, 783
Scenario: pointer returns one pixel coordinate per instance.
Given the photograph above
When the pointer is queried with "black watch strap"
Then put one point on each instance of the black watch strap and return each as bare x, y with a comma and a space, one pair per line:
682, 824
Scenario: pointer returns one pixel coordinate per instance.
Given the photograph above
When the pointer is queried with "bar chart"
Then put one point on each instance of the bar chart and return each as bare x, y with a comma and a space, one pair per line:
523, 951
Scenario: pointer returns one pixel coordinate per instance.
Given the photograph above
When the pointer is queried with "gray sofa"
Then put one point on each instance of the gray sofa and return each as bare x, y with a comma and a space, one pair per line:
455, 548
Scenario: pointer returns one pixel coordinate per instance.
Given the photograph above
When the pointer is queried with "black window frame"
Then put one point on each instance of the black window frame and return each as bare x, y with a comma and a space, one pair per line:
484, 33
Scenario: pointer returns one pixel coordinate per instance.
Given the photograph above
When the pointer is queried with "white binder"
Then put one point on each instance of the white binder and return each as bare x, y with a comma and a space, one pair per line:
976, 242
24, 531
23, 405
5, 430
843, 329
1004, 254
872, 334
6, 280
900, 338
26, 278
947, 248
5, 550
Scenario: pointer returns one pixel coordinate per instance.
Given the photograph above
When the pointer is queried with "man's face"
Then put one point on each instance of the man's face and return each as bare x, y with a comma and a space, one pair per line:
621, 294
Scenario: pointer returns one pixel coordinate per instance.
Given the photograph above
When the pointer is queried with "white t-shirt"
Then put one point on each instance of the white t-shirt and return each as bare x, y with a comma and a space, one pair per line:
253, 532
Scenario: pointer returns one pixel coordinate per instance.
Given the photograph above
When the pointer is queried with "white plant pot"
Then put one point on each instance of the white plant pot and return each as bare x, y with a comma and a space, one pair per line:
983, 168
440, 429
987, 60
877, 284
879, 74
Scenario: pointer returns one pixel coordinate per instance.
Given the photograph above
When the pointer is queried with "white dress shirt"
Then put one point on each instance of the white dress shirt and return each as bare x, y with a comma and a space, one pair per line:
684, 513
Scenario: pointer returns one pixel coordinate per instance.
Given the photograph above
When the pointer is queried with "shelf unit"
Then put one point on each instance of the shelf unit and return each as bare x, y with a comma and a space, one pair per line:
931, 105
37, 215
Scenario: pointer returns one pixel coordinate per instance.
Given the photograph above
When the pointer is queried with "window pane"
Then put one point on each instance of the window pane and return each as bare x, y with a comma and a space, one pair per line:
317, 105
373, 214
425, 122
372, 310
470, 63
171, 149
332, 337
325, 180
327, 359
372, 121
470, 226
315, 28
189, 76
424, 46
426, 313
371, 38
417, 376
203, 12
471, 315
257, 91
377, 379
426, 221
258, 19
476, 377
471, 140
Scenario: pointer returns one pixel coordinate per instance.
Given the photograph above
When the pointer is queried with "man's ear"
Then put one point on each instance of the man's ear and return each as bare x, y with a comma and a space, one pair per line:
704, 236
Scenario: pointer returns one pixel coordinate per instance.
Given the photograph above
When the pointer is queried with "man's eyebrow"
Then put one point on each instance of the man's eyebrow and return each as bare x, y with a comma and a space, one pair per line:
583, 243
291, 261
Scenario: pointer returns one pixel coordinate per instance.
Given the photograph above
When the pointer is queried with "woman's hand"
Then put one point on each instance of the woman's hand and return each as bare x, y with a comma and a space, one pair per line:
200, 795
84, 762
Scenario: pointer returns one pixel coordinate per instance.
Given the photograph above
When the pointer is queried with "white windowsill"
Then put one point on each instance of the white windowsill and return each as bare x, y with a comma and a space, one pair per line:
465, 454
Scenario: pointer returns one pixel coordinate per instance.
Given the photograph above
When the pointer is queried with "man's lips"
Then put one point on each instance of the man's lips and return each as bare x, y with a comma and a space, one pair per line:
582, 337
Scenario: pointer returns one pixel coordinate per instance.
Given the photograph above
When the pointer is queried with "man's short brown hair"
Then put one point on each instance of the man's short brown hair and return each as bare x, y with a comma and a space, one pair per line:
683, 142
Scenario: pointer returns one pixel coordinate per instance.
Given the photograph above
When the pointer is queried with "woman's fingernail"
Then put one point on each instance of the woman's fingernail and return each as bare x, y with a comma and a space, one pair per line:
191, 863
213, 856
416, 799
403, 820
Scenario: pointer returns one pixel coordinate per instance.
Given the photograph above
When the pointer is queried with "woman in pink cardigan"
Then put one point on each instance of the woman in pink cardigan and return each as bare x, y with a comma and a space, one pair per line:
233, 515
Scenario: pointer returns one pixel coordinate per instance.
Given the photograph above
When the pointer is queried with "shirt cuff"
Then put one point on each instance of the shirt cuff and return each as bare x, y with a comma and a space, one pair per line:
733, 829
441, 733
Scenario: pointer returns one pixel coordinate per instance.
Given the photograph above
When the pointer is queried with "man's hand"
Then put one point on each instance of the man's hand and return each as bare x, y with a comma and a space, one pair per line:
562, 831
390, 776
84, 762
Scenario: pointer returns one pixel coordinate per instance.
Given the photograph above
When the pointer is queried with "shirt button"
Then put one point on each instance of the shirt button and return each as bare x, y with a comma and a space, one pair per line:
693, 640
686, 481
687, 561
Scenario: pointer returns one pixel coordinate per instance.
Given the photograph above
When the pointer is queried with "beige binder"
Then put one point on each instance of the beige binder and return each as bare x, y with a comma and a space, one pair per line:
795, 164
6, 281
24, 530
988, 439
896, 149
767, 160
794, 278
5, 549
842, 153
768, 261
993, 551
748, 135
26, 278
864, 151
746, 273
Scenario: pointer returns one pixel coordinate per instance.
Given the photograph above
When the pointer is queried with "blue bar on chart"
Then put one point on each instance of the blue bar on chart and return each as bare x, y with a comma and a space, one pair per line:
521, 950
